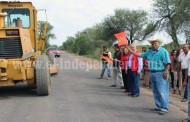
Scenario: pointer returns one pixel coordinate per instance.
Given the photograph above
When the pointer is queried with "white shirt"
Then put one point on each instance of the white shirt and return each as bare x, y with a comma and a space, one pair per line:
140, 63
183, 60
188, 62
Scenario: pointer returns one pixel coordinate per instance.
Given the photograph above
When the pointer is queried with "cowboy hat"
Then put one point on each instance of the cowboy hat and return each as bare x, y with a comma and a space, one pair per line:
155, 40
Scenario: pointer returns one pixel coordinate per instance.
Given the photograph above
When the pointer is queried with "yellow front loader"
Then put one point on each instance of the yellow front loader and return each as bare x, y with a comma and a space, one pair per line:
21, 48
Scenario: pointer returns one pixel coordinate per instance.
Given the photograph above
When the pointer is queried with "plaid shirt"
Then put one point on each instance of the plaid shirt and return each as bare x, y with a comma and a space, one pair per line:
157, 59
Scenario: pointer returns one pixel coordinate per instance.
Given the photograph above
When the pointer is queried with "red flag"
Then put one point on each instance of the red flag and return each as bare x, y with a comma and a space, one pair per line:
107, 59
121, 37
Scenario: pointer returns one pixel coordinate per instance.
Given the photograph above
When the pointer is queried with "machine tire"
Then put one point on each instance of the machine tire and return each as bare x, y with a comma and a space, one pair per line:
51, 57
43, 80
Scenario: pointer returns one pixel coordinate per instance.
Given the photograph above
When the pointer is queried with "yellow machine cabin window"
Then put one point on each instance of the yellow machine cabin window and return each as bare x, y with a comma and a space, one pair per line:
17, 17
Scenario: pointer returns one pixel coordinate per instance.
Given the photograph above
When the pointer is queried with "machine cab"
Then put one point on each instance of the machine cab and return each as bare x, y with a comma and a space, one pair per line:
17, 17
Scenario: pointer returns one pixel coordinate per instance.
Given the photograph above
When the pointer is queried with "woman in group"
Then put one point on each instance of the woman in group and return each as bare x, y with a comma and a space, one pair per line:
146, 79
173, 52
124, 61
174, 69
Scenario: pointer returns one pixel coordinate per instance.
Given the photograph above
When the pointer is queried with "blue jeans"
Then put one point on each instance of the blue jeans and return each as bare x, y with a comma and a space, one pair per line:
185, 93
186, 89
104, 66
135, 83
160, 89
188, 98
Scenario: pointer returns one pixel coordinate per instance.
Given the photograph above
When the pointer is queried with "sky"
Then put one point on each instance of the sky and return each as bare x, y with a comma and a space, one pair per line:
70, 16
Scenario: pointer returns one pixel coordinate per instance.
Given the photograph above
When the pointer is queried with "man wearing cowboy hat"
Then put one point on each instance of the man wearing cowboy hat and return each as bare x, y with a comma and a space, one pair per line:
159, 64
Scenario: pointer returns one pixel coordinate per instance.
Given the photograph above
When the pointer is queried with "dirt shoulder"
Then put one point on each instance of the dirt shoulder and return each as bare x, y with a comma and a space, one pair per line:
174, 98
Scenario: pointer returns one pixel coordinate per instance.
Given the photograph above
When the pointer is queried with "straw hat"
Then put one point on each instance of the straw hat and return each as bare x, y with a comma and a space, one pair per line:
155, 40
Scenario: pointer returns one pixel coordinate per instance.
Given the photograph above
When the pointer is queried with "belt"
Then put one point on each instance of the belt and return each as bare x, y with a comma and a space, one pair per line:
156, 70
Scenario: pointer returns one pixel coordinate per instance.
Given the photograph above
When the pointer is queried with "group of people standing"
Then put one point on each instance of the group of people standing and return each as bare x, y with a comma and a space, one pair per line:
180, 74
128, 64
126, 69
178, 68
157, 64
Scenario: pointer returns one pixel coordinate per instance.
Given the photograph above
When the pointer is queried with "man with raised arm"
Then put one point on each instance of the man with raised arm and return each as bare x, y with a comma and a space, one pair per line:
135, 65
159, 64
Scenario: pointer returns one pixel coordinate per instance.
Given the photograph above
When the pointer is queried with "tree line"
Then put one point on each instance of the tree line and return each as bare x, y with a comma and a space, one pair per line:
171, 16
49, 34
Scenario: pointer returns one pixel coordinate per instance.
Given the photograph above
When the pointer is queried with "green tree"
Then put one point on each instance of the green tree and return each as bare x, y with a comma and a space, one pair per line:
134, 22
171, 15
96, 36
49, 33
186, 31
83, 45
68, 45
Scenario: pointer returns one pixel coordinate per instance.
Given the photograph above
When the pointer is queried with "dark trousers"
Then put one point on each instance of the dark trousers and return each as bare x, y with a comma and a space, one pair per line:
134, 80
172, 79
186, 89
126, 81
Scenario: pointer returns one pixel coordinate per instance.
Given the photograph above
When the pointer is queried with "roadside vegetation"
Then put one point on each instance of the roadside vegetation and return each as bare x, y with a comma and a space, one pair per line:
49, 34
170, 16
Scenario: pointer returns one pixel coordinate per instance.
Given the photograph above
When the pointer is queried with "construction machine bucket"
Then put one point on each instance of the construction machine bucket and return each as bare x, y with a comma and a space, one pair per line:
53, 69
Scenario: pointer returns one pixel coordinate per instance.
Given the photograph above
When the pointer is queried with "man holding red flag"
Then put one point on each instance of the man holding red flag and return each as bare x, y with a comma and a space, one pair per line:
118, 74
106, 61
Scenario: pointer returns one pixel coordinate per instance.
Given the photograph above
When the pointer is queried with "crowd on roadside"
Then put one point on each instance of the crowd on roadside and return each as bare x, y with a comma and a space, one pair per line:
157, 69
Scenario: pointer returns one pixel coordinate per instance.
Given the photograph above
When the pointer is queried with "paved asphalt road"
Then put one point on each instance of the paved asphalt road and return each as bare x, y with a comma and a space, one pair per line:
78, 96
